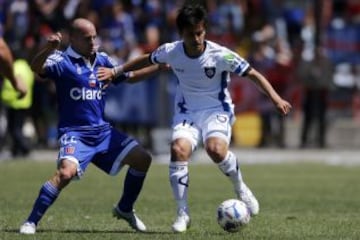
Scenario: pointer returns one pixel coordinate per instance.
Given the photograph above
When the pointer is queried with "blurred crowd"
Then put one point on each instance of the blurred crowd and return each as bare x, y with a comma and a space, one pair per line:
308, 49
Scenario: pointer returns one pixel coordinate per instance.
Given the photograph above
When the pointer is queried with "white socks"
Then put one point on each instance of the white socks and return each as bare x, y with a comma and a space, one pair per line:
179, 180
229, 166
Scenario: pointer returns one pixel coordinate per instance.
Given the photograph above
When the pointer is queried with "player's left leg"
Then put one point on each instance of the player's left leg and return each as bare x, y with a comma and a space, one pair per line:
217, 135
230, 167
139, 162
121, 150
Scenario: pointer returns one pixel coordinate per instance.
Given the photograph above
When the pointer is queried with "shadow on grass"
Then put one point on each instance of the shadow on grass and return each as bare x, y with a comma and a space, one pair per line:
88, 231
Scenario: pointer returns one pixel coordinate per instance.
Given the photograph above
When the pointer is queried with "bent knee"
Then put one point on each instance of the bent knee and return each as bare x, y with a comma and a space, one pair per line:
180, 151
216, 150
146, 158
67, 170
139, 159
66, 174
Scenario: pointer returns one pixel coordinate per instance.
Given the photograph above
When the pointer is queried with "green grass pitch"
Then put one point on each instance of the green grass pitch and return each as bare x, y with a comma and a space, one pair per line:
297, 201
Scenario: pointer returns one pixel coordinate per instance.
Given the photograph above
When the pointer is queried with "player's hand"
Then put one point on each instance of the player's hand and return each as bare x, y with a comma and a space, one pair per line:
164, 67
104, 73
54, 40
20, 87
283, 107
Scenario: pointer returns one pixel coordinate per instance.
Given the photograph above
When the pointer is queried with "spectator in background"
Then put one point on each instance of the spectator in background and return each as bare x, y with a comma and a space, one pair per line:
17, 109
117, 32
280, 75
50, 12
17, 23
316, 76
230, 17
7, 70
262, 57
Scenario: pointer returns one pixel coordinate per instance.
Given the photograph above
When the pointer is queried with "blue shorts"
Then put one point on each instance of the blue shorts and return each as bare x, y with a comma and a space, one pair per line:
105, 147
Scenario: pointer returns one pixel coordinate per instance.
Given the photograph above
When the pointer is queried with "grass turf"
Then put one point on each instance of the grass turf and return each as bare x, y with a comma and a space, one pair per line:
297, 201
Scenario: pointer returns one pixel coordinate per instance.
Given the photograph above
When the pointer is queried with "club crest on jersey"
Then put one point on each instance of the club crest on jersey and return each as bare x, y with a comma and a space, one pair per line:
92, 80
210, 71
69, 150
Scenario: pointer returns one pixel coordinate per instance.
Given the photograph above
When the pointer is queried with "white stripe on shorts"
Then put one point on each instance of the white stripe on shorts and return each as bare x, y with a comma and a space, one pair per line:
117, 164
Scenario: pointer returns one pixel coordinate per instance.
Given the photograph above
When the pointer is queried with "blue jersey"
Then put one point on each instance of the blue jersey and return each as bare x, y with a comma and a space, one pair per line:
85, 136
80, 96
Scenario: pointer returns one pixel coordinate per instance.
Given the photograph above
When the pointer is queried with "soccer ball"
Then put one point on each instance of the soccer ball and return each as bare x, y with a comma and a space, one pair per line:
232, 214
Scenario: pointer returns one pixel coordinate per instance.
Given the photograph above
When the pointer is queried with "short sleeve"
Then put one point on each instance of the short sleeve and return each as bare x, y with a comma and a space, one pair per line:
53, 64
234, 63
161, 54
109, 61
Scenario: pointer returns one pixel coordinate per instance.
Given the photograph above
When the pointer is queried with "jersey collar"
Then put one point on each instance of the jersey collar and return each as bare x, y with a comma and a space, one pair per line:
71, 52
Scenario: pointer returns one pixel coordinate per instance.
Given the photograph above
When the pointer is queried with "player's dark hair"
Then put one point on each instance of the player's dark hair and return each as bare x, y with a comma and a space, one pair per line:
190, 15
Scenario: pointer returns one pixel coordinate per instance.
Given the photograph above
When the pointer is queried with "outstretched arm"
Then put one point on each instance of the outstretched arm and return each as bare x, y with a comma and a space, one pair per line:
105, 74
137, 63
140, 62
144, 73
7, 70
283, 106
53, 42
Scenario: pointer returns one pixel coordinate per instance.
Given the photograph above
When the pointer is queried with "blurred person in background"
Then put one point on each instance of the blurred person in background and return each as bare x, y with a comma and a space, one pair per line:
17, 23
117, 32
7, 71
316, 76
50, 12
7, 68
280, 75
18, 109
204, 109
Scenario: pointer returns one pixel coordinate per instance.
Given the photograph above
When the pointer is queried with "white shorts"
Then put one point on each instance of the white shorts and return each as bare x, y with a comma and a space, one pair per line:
204, 124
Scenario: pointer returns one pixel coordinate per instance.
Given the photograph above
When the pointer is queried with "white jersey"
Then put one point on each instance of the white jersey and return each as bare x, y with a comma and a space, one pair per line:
202, 81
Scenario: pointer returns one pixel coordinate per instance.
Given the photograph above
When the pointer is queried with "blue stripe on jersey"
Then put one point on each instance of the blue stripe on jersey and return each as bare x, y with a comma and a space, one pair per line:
153, 61
182, 107
241, 69
226, 106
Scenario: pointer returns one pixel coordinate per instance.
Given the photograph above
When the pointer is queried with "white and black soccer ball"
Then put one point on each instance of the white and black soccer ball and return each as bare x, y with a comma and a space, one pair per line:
232, 215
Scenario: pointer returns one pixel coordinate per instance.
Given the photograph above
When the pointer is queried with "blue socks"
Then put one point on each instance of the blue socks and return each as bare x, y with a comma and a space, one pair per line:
132, 186
47, 195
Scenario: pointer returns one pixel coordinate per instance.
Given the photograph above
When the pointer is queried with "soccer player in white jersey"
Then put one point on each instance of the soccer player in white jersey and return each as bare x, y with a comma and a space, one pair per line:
203, 106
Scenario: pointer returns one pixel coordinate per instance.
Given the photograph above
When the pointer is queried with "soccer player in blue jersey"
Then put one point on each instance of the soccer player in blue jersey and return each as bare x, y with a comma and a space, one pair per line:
84, 135
203, 106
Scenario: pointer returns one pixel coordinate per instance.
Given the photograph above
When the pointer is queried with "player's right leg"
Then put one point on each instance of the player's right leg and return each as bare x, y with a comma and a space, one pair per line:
117, 150
179, 181
184, 141
48, 194
139, 161
69, 166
